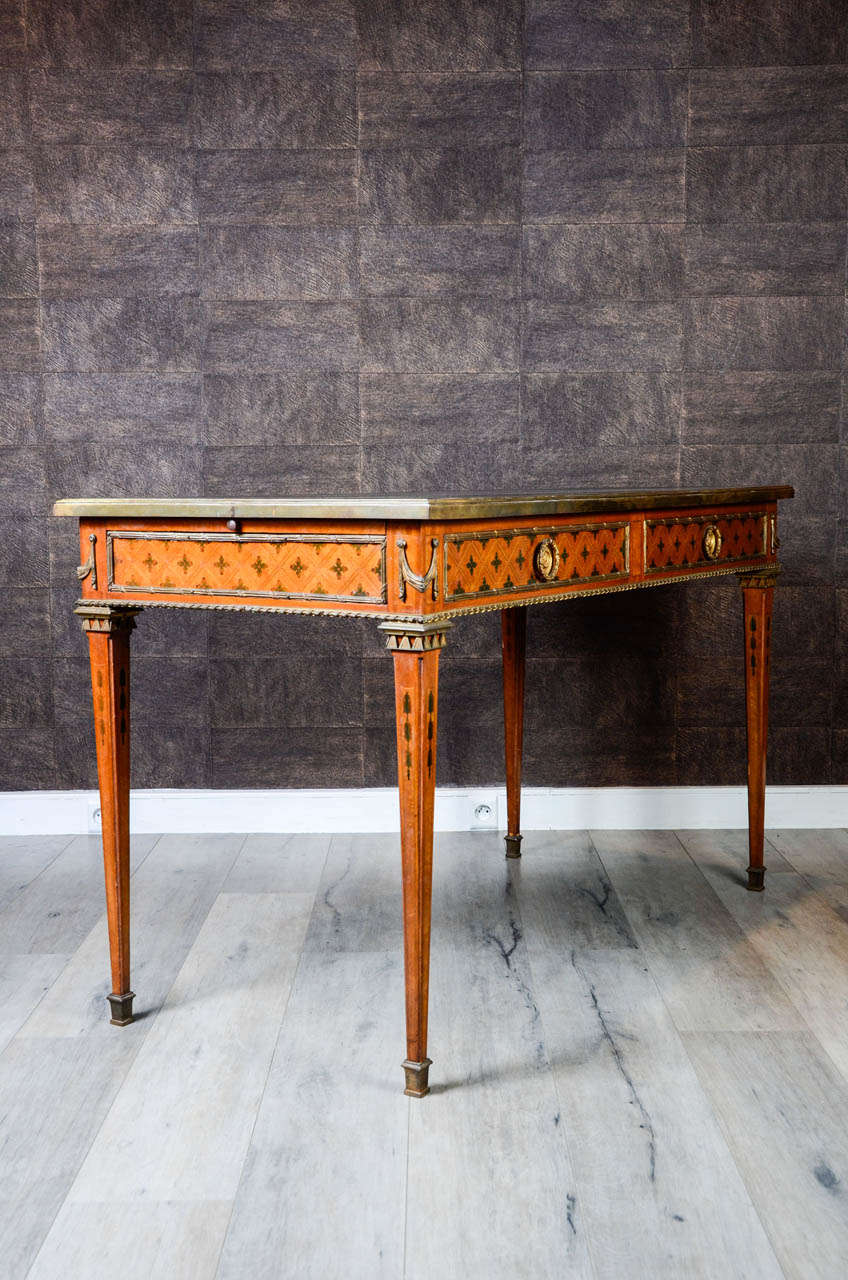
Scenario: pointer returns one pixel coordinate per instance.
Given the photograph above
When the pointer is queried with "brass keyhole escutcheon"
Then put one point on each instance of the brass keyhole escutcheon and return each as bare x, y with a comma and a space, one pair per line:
711, 542
546, 560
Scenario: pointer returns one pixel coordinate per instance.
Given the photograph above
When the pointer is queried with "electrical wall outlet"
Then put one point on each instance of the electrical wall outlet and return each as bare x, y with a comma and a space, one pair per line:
484, 816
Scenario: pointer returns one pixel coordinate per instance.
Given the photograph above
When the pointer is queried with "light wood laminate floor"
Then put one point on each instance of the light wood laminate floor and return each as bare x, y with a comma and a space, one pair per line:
640, 1069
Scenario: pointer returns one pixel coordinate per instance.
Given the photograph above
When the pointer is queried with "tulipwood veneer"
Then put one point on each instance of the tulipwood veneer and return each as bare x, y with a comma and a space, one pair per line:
415, 565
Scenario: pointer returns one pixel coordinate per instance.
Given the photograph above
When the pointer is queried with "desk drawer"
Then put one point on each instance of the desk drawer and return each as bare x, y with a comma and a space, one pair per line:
699, 541
330, 568
500, 562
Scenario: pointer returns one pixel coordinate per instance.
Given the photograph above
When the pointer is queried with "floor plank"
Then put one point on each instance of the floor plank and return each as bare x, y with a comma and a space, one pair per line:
709, 974
802, 939
331, 1134
23, 858
279, 864
726, 852
566, 895
24, 981
784, 1111
171, 895
819, 853
488, 1159
180, 1127
641, 1132
55, 1095
59, 906
180, 1241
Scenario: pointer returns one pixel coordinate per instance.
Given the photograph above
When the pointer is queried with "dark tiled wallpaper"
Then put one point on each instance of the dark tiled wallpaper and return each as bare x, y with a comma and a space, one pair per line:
404, 245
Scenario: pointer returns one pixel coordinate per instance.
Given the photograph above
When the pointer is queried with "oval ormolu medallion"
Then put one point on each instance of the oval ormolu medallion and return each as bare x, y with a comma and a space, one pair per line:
546, 560
711, 542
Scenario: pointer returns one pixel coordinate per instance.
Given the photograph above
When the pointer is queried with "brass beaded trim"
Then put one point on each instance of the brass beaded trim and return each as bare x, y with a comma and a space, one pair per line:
441, 618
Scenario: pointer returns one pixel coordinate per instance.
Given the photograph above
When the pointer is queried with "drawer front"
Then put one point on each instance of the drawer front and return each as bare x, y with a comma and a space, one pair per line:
501, 561
699, 541
329, 568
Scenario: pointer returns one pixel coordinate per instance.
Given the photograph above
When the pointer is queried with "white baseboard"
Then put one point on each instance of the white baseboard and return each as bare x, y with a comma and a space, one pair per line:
457, 809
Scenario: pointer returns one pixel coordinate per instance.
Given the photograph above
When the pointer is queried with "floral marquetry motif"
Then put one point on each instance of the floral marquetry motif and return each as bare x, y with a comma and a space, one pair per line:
492, 563
331, 568
681, 544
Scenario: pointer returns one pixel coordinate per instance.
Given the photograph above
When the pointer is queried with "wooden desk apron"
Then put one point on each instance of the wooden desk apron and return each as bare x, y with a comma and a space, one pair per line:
413, 564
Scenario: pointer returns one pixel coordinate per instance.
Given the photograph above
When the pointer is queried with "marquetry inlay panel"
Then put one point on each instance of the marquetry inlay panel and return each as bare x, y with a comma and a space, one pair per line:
692, 540
298, 567
499, 561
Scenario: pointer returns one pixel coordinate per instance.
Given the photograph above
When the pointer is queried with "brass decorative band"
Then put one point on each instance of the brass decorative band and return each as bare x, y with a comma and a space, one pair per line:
337, 568
686, 540
445, 617
760, 579
498, 562
420, 581
97, 616
89, 566
414, 637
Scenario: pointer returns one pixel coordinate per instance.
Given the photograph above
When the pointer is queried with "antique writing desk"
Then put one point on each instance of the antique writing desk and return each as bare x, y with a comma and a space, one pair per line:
415, 565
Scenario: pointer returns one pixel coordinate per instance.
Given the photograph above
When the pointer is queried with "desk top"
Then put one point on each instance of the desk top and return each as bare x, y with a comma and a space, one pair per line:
417, 508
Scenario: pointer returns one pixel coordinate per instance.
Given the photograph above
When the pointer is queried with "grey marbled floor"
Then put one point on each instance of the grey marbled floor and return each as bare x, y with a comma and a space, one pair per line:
640, 1069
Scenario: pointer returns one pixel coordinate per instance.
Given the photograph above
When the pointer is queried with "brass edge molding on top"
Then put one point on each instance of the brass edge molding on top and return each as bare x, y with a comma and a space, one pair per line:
353, 539
89, 566
417, 580
536, 531
506, 507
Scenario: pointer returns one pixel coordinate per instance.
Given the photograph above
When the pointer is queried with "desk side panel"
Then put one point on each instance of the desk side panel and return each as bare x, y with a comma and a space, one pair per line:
489, 564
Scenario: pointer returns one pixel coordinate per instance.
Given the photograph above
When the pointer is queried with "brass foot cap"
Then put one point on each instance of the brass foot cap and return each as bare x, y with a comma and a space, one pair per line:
416, 1078
513, 846
756, 879
121, 1006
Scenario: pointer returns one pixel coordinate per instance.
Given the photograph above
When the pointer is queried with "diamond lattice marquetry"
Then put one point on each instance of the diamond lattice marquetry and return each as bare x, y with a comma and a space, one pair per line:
338, 570
673, 544
481, 566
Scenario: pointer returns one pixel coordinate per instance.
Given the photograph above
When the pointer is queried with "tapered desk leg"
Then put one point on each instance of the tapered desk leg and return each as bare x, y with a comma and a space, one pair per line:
108, 632
416, 662
513, 645
758, 595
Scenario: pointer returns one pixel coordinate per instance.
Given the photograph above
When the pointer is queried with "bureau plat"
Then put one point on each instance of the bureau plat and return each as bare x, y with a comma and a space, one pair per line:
414, 565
